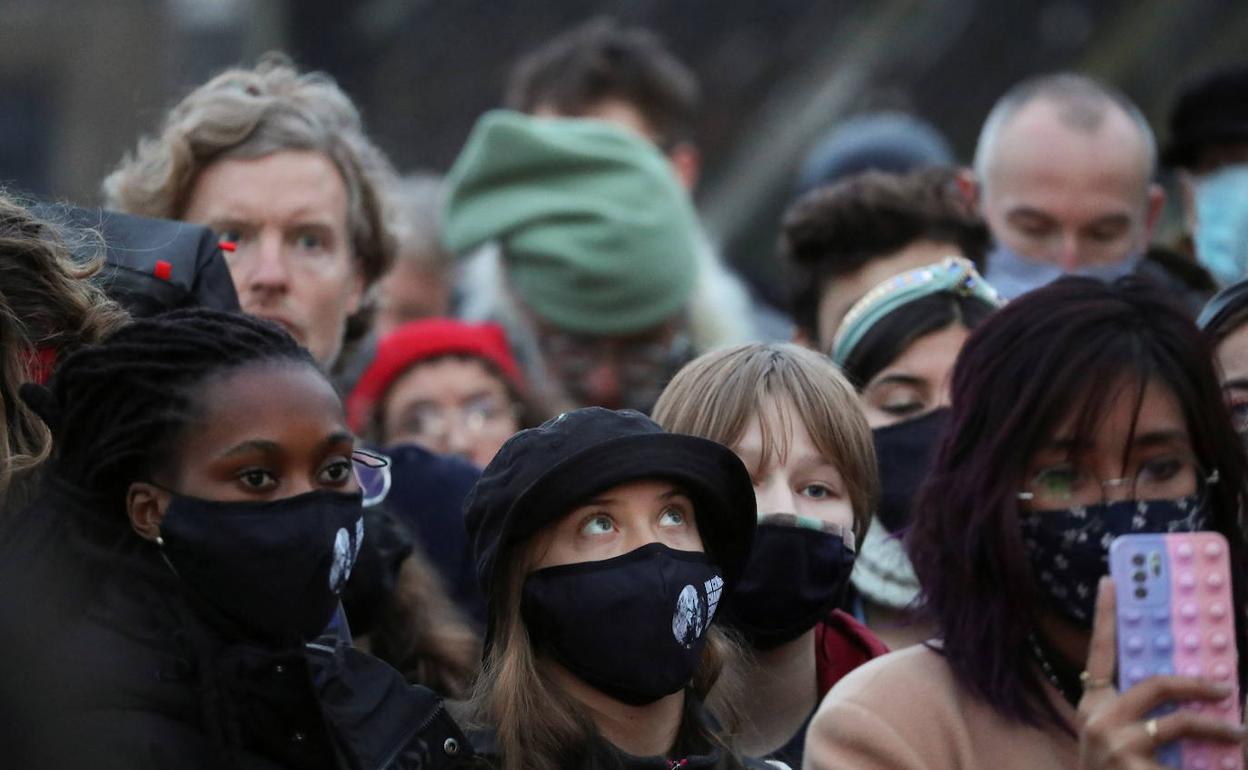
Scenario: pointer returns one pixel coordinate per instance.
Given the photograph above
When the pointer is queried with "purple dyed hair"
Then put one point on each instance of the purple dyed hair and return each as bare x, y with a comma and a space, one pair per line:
1053, 352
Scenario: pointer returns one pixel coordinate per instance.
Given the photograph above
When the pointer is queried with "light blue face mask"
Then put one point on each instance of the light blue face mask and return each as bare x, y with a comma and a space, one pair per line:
1221, 236
1013, 275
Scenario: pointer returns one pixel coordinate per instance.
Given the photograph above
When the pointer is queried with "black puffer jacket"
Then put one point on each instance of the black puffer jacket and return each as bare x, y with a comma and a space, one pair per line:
123, 673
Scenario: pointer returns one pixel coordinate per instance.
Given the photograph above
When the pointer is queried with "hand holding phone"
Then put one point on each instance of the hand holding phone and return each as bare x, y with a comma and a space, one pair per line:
1175, 616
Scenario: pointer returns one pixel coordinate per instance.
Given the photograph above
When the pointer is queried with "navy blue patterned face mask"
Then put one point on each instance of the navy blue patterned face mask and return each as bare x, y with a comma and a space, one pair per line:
1069, 548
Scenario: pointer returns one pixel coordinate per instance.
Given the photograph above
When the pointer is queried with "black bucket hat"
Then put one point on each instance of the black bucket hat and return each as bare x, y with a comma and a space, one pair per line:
542, 473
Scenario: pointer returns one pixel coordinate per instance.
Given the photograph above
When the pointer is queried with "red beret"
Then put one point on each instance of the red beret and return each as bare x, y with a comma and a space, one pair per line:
418, 341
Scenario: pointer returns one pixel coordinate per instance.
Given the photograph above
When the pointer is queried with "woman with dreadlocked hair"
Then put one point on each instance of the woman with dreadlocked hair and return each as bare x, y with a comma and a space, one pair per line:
196, 523
47, 308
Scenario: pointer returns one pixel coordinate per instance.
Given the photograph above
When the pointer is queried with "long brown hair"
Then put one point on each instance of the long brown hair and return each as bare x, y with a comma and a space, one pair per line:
538, 726
424, 635
46, 305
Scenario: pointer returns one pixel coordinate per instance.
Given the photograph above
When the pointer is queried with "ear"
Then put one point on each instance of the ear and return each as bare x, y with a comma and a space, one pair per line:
687, 163
355, 289
145, 505
969, 187
1156, 203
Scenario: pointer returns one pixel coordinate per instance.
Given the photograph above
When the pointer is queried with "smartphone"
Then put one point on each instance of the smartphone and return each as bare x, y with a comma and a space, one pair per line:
1176, 616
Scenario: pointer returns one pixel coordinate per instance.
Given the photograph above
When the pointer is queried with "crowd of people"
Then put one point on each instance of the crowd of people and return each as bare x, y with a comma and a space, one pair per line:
310, 466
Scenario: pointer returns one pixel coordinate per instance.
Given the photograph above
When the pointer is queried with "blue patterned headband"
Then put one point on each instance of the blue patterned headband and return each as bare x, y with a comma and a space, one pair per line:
952, 275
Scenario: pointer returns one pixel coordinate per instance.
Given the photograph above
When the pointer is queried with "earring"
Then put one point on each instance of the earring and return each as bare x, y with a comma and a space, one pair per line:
160, 541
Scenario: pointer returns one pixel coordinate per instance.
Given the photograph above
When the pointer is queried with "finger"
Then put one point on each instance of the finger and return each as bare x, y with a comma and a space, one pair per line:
1101, 650
1141, 699
1181, 725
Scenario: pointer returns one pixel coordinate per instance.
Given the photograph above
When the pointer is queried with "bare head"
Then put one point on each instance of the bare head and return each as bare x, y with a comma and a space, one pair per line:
1064, 166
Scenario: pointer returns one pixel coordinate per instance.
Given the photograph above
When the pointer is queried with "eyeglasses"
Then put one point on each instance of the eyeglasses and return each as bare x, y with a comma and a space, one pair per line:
638, 361
1169, 477
372, 473
429, 422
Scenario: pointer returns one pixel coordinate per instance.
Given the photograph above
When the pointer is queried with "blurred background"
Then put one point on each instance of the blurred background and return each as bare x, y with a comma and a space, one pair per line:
80, 80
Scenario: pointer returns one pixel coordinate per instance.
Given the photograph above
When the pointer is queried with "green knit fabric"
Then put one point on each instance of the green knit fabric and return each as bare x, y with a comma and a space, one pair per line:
597, 235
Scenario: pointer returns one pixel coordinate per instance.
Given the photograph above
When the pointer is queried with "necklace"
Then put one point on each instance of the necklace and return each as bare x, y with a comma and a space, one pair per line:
1069, 686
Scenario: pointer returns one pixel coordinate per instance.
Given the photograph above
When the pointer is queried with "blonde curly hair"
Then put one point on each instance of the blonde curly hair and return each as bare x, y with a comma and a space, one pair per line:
251, 113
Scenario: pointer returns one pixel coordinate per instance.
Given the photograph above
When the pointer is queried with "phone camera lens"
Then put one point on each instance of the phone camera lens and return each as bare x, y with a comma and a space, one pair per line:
1138, 560
1141, 592
1139, 576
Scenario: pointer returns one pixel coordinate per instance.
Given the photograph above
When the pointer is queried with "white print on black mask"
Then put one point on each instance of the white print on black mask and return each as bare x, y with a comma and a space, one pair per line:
346, 548
690, 617
714, 587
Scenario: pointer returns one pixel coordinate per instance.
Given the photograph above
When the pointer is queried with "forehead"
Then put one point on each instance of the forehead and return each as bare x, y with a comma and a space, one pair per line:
445, 377
1124, 412
269, 401
283, 187
1079, 172
930, 357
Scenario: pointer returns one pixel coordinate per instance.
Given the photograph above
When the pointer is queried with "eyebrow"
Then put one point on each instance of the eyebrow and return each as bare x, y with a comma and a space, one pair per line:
668, 495
254, 445
272, 447
1030, 213
815, 459
1152, 438
898, 379
1239, 383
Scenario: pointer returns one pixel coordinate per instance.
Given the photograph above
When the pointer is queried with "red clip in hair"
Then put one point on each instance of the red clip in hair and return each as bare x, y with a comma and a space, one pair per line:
227, 245
41, 362
163, 270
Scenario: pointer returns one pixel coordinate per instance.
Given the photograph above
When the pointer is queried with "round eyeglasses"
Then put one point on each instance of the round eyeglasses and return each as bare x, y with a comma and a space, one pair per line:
372, 473
1169, 477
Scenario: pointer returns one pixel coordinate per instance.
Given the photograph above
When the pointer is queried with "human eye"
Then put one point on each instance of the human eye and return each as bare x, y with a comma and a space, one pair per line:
1161, 469
256, 479
230, 232
818, 491
900, 401
597, 524
1107, 232
1059, 482
309, 241
1032, 227
672, 517
1239, 413
337, 472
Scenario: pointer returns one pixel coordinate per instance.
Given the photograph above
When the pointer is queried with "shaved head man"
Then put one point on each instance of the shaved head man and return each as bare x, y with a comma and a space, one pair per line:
1063, 172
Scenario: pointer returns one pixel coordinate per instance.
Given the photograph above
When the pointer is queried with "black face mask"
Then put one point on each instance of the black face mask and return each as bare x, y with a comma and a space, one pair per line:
633, 626
795, 576
272, 570
905, 452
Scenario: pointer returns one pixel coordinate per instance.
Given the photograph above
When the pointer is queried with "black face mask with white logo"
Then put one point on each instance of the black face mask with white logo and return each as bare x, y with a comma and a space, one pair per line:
271, 571
633, 626
797, 574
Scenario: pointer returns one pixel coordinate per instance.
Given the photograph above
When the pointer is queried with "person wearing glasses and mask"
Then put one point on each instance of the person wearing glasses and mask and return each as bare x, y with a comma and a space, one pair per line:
452, 387
580, 241
898, 345
1106, 420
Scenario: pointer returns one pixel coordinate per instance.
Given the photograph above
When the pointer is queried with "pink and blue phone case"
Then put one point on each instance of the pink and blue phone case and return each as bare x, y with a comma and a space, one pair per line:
1176, 616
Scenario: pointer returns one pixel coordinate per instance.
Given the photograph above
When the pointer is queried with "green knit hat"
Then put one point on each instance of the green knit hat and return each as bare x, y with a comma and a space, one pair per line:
597, 235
